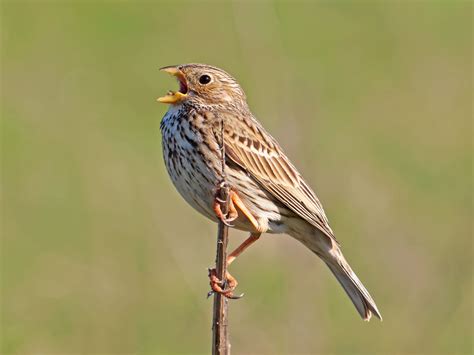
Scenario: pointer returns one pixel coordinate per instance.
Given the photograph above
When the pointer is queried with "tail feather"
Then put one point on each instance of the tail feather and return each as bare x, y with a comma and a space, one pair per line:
329, 251
354, 288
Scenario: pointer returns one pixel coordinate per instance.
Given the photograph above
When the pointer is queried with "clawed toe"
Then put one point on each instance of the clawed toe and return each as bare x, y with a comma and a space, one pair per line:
231, 214
227, 221
225, 287
218, 211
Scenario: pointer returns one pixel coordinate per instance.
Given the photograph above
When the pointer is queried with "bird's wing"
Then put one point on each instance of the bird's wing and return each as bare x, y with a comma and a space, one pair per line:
254, 150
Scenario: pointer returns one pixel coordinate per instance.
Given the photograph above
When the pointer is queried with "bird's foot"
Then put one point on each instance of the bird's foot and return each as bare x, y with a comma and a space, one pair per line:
225, 288
221, 204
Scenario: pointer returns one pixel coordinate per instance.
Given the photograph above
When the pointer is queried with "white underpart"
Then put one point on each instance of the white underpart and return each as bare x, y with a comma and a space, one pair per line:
199, 192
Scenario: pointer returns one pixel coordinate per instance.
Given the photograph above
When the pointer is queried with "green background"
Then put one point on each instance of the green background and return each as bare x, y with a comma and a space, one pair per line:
371, 101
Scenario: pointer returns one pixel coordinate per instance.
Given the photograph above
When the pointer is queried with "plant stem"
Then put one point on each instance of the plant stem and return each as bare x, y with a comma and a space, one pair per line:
220, 332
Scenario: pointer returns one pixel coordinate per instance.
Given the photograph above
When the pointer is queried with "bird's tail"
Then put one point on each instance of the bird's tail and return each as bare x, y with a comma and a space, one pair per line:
328, 250
354, 288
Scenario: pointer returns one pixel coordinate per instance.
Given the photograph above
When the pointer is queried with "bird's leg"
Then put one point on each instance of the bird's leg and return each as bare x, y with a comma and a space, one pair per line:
227, 287
241, 248
241, 206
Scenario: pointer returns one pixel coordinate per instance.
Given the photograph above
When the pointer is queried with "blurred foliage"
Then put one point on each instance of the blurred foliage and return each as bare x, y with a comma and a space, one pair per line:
371, 100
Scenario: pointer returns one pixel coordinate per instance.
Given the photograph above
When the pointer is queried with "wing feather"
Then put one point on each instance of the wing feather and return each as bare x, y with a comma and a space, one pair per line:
255, 151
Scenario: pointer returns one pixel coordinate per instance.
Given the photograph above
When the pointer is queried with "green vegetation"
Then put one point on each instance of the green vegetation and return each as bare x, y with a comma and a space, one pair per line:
371, 100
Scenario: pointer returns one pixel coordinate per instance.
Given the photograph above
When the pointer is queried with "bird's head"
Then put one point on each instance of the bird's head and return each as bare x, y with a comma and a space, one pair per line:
203, 85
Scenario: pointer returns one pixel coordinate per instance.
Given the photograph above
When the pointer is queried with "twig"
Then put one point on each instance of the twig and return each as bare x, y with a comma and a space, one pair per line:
220, 332
220, 335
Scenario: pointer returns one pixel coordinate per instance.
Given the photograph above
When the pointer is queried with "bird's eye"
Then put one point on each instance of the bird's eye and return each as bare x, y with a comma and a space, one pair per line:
204, 79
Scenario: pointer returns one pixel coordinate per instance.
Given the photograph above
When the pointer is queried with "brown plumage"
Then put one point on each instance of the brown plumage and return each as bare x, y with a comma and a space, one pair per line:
268, 193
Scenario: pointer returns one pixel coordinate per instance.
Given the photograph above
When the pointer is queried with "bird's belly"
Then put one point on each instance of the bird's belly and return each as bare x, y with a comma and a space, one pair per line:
193, 182
197, 186
195, 171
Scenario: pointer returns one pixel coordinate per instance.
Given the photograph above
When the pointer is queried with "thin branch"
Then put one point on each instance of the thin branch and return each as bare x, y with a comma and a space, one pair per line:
220, 332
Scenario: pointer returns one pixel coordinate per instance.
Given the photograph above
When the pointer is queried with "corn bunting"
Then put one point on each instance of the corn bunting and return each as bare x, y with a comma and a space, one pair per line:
209, 115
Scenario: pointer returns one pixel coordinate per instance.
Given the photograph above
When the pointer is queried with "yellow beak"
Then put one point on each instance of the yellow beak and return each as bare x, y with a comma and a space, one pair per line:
174, 97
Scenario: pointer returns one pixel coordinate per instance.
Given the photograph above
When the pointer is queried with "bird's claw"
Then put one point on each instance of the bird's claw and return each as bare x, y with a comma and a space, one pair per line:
231, 215
230, 218
226, 222
218, 199
225, 287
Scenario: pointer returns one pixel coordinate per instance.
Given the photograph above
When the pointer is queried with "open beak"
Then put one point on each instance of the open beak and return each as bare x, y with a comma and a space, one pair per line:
174, 97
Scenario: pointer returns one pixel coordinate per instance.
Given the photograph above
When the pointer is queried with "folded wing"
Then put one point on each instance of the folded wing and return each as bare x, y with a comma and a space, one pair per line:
255, 151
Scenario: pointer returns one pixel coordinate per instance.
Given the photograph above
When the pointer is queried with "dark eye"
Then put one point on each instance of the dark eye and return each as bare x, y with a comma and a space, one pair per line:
204, 79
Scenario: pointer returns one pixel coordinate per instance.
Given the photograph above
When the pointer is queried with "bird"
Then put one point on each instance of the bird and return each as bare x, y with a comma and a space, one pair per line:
210, 134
